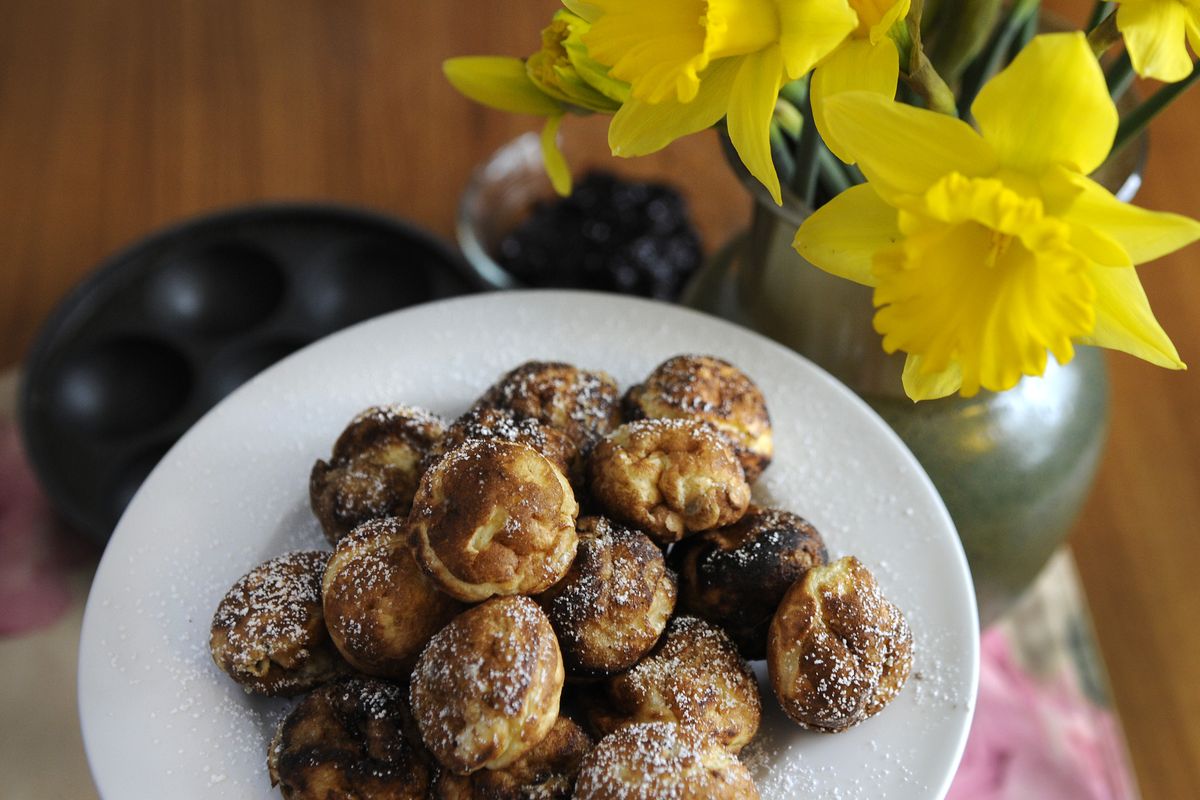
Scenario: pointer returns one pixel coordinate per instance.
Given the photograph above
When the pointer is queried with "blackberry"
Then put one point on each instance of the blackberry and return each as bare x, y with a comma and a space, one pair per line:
610, 235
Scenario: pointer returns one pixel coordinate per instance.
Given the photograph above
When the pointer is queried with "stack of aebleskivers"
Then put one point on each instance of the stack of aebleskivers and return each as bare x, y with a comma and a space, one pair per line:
558, 547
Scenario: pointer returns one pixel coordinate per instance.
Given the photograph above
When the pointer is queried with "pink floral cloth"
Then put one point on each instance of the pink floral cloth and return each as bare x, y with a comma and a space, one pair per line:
1034, 739
36, 555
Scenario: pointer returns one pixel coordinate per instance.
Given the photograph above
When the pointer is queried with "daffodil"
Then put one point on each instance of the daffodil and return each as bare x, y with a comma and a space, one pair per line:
691, 63
1156, 34
990, 250
564, 70
867, 61
560, 77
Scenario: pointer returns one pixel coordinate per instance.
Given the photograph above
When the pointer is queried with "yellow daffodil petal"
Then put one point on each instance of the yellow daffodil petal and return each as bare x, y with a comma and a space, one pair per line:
876, 17
1143, 234
1059, 188
991, 286
556, 163
843, 235
810, 30
857, 65
1193, 30
1155, 34
921, 384
904, 150
499, 82
662, 47
740, 27
1098, 246
658, 47
1125, 322
1050, 106
640, 128
751, 107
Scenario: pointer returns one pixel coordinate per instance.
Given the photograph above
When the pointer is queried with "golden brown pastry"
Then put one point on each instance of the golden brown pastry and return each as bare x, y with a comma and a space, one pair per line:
494, 518
584, 405
347, 741
380, 608
736, 576
714, 391
546, 772
268, 632
657, 760
695, 678
614, 602
838, 650
486, 690
501, 423
669, 477
374, 469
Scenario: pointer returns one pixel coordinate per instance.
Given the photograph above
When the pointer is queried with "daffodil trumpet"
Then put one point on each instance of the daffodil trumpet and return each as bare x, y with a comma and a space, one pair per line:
991, 250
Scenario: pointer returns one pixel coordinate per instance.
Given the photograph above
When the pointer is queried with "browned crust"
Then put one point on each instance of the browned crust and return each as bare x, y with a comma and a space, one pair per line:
380, 608
584, 404
838, 651
614, 602
494, 518
546, 772
375, 467
661, 760
736, 576
487, 687
501, 423
712, 390
669, 477
695, 678
268, 632
346, 740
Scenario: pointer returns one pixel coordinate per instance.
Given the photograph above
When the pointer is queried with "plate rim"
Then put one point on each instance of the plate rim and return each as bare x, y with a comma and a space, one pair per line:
564, 296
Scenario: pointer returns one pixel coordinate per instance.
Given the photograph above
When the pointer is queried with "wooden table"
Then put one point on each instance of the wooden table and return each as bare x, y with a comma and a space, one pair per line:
119, 116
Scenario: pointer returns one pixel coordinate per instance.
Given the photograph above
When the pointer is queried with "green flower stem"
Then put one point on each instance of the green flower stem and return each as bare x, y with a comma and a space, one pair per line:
921, 74
1140, 117
1120, 76
834, 174
1028, 31
1104, 35
795, 92
931, 86
959, 34
1101, 11
1016, 22
788, 117
781, 154
787, 129
804, 178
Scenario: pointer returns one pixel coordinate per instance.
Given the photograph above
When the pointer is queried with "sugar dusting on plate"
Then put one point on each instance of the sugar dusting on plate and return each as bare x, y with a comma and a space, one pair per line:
214, 738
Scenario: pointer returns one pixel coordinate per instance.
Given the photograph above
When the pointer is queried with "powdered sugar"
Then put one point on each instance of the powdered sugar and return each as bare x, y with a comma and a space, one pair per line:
159, 718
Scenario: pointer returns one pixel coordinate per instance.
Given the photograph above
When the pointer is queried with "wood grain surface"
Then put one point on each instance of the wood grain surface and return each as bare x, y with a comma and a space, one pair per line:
117, 117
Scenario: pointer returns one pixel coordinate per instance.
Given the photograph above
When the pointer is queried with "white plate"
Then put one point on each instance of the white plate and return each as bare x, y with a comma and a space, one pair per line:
159, 720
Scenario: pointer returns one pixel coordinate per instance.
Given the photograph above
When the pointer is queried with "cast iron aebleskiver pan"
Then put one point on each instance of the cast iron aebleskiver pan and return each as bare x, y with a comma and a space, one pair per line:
152, 339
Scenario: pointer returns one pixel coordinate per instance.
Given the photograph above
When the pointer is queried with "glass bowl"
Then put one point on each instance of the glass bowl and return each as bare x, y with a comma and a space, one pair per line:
505, 189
